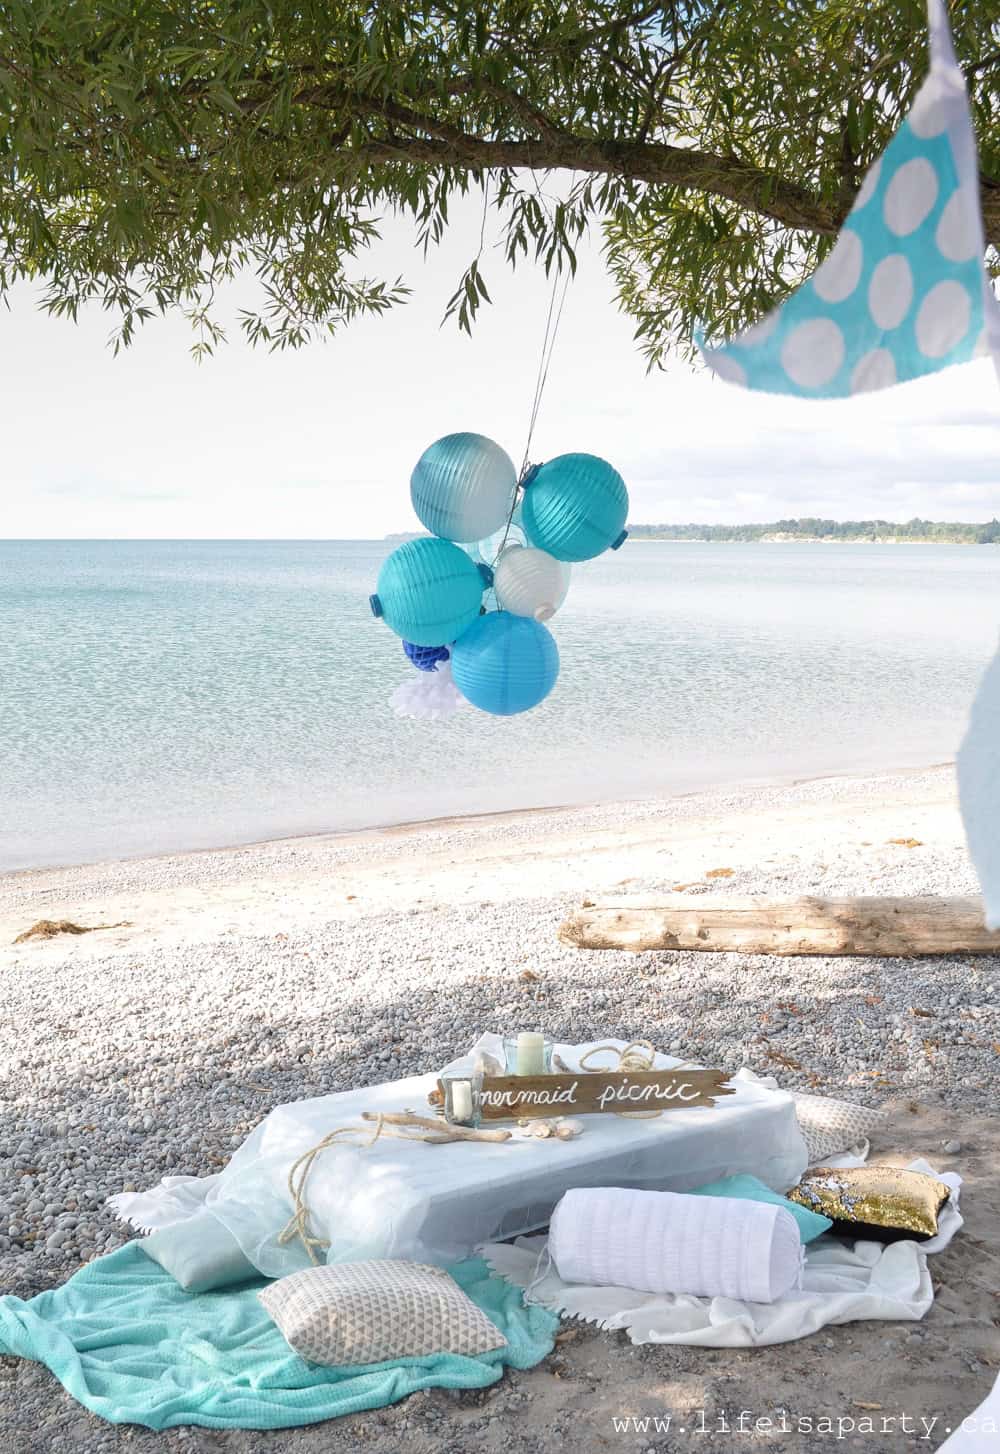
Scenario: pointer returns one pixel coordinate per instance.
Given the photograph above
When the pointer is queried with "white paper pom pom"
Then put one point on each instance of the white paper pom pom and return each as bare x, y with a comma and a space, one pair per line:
430, 696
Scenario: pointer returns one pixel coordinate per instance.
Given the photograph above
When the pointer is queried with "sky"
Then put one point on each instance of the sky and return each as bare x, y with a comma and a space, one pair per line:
319, 444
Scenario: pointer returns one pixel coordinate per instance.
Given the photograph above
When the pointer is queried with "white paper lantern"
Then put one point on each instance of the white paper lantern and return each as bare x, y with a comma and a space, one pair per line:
530, 582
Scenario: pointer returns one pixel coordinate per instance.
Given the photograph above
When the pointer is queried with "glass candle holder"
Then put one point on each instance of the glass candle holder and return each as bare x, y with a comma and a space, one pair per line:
462, 1105
528, 1053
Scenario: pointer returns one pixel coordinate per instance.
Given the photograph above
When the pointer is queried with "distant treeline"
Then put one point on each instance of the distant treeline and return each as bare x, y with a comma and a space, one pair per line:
943, 531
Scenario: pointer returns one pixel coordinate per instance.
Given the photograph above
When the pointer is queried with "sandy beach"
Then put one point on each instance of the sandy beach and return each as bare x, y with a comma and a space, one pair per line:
241, 978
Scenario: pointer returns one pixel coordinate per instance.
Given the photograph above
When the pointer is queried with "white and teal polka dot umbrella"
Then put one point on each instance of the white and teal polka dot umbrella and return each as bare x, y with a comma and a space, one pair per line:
904, 291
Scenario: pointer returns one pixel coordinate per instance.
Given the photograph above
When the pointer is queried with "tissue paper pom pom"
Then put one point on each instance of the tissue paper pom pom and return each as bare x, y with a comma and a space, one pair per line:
505, 664
530, 582
429, 591
463, 487
429, 697
425, 658
575, 506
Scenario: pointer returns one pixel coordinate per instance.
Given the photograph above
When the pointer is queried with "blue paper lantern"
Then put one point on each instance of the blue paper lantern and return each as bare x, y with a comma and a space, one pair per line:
463, 487
505, 664
575, 507
429, 591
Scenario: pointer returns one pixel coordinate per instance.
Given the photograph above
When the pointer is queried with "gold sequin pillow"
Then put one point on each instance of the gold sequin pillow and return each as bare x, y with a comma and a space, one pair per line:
373, 1312
878, 1203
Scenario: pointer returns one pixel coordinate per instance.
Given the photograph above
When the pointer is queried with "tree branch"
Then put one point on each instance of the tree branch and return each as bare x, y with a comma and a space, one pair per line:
657, 164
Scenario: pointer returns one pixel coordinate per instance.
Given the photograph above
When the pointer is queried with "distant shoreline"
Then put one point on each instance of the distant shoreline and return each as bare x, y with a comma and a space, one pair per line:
821, 530
791, 540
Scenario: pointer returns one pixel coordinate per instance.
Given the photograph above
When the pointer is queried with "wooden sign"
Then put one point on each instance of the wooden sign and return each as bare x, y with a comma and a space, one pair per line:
517, 1097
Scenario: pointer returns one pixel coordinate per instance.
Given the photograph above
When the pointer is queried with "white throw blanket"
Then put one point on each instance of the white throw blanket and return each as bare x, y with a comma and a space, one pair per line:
841, 1283
666, 1242
979, 1432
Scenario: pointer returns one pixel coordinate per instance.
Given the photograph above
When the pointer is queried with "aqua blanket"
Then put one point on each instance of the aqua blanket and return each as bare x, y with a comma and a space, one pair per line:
127, 1343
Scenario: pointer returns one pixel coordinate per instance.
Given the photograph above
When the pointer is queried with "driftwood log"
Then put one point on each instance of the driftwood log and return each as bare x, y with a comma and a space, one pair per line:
886, 928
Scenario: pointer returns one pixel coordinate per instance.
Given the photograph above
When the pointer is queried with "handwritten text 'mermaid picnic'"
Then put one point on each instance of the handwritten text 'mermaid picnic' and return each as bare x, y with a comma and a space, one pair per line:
625, 1092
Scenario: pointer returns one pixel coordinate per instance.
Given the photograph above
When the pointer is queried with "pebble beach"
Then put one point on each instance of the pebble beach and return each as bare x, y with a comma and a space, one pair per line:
237, 979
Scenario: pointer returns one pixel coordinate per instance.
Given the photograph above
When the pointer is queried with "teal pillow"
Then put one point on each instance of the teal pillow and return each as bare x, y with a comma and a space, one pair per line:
748, 1188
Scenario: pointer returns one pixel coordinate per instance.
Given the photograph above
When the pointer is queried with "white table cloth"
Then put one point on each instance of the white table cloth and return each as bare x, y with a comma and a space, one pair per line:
440, 1203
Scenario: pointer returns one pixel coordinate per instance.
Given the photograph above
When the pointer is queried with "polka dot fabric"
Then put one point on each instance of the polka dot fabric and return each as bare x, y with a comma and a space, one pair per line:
903, 292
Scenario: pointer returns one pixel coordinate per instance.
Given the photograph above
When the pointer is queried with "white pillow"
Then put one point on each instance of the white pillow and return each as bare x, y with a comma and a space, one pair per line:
374, 1312
669, 1242
199, 1253
830, 1127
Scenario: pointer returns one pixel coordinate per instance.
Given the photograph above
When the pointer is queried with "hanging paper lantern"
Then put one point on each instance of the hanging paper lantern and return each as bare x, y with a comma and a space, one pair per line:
505, 664
530, 582
510, 533
425, 658
463, 487
429, 591
575, 506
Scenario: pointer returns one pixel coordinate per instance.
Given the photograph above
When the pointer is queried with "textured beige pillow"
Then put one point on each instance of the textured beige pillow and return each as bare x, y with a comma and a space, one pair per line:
372, 1312
830, 1127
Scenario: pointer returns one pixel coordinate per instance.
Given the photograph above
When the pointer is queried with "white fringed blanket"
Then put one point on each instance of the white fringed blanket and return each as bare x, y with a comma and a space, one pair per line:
841, 1283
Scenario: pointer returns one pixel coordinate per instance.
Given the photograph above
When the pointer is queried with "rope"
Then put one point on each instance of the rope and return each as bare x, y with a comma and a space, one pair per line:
406, 1126
638, 1056
298, 1226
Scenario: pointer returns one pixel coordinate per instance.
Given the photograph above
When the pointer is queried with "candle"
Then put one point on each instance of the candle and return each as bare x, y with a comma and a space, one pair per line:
461, 1100
530, 1053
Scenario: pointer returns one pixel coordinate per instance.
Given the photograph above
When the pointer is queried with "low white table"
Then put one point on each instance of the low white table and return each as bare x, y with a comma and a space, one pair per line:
440, 1203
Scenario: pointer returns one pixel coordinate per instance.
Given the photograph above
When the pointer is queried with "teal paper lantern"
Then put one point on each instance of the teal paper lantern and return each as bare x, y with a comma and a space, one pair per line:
505, 664
575, 507
463, 487
429, 591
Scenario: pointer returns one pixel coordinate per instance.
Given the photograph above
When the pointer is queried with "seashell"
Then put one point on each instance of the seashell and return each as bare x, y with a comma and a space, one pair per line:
542, 1130
488, 1064
569, 1128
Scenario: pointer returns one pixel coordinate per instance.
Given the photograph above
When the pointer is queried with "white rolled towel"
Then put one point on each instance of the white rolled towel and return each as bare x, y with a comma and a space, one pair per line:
661, 1241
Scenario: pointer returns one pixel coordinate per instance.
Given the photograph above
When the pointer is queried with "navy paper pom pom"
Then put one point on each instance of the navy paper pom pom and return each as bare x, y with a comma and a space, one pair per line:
426, 658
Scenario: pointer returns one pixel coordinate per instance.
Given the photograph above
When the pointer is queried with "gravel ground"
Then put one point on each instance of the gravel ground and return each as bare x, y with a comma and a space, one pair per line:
141, 1059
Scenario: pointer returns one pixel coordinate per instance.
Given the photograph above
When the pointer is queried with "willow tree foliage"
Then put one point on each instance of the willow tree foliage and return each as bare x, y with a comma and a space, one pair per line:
152, 149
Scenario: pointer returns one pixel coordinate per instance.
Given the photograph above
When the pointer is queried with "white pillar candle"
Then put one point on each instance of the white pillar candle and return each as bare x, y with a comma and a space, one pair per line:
530, 1053
461, 1100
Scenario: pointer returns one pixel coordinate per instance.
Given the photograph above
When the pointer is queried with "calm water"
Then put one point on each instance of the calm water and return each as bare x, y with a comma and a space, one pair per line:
167, 695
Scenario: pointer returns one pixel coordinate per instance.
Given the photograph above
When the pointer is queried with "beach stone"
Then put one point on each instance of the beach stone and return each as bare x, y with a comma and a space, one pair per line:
953, 1147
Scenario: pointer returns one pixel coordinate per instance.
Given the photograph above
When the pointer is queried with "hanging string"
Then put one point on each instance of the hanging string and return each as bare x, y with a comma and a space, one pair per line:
552, 321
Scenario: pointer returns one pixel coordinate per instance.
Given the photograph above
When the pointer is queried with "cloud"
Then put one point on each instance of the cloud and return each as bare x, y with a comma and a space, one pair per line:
321, 443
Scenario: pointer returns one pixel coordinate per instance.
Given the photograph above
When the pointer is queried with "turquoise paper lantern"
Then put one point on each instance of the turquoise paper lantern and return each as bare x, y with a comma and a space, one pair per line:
429, 591
575, 507
463, 487
505, 664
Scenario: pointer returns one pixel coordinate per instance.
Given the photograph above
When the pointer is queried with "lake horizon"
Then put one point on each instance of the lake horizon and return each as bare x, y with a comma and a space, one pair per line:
163, 695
